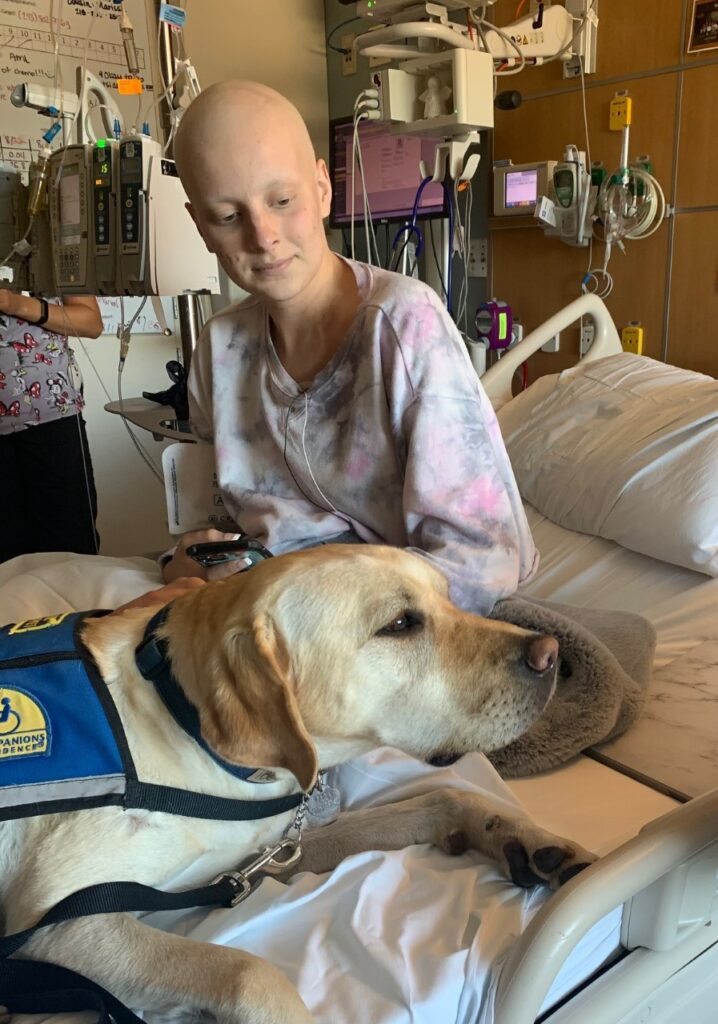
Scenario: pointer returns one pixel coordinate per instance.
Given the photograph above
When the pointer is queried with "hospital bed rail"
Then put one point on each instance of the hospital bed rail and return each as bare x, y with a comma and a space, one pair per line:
497, 379
666, 879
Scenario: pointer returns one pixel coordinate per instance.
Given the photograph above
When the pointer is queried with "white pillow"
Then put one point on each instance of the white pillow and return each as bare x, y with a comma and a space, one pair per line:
624, 448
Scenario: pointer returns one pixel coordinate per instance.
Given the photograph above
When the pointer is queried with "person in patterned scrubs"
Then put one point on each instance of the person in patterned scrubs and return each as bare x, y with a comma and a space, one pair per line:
48, 487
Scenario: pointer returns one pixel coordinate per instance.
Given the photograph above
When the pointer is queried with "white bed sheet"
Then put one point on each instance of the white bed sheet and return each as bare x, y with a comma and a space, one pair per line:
411, 936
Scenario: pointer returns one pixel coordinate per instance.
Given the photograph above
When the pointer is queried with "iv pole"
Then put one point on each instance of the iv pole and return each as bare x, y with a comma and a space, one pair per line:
187, 305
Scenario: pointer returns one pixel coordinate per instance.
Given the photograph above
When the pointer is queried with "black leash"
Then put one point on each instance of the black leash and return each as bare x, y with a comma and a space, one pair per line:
30, 986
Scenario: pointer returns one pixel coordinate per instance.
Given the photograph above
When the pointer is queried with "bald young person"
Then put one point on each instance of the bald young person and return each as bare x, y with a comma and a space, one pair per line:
339, 397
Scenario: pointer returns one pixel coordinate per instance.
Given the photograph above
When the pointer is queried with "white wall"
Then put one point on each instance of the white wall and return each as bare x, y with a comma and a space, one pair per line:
131, 505
280, 43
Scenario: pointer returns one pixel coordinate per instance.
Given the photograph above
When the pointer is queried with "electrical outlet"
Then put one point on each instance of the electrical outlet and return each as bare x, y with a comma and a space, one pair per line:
572, 67
553, 344
479, 257
349, 60
587, 333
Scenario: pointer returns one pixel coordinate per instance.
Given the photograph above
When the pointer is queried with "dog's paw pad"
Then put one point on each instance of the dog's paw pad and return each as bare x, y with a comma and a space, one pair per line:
548, 858
519, 867
455, 842
568, 874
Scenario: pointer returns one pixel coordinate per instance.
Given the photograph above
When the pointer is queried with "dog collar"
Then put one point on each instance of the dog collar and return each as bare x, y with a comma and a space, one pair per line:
154, 664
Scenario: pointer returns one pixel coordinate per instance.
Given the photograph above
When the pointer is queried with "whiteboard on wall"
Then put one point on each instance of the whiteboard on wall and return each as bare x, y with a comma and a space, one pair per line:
147, 321
84, 30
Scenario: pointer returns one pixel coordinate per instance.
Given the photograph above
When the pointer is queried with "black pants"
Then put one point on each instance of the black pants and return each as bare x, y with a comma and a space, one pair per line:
49, 501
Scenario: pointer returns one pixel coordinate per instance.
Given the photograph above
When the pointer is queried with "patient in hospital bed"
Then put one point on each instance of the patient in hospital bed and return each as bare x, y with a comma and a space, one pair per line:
339, 397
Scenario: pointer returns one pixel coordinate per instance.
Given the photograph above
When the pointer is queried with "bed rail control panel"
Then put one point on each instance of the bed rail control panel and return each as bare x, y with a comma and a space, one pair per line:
675, 905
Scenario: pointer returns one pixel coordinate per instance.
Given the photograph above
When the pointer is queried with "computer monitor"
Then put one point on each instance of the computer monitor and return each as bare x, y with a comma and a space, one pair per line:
391, 173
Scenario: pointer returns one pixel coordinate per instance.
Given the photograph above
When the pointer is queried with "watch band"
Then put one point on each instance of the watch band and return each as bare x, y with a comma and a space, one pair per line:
44, 313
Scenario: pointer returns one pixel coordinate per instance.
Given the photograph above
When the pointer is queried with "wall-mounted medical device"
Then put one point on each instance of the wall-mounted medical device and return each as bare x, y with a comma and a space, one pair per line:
73, 106
103, 212
494, 324
439, 78
69, 214
566, 210
10, 192
411, 28
462, 82
115, 224
161, 252
137, 153
518, 187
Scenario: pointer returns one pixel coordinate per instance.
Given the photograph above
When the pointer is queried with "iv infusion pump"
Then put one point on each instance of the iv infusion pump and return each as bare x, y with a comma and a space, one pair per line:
115, 224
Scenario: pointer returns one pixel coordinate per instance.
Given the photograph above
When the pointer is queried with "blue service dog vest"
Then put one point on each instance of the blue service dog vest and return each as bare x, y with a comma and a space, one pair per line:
63, 747
62, 744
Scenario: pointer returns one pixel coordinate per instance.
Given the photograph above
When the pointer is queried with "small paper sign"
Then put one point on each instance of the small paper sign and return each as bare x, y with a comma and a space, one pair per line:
129, 87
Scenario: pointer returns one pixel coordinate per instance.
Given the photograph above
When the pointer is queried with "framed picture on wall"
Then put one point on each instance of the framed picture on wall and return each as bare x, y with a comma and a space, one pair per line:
704, 26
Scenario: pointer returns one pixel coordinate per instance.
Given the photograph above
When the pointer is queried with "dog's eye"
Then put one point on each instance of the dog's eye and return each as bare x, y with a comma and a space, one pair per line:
404, 623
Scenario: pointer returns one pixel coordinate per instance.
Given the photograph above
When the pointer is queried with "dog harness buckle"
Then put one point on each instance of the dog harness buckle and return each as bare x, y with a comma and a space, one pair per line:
241, 886
273, 860
286, 854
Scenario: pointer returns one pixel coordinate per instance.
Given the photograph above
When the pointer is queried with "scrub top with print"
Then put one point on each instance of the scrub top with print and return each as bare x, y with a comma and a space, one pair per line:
35, 376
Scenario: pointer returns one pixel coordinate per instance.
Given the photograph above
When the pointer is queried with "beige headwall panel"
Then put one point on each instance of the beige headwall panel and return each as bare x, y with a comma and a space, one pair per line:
277, 42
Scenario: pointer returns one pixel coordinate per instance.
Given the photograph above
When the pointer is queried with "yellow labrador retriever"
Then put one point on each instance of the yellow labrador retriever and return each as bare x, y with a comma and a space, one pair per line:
304, 662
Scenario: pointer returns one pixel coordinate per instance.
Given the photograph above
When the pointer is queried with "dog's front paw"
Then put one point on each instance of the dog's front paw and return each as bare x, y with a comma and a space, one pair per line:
534, 858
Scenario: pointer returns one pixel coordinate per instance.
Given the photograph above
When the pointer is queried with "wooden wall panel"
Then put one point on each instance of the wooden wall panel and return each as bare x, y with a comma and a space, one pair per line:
530, 271
698, 149
540, 128
693, 325
539, 275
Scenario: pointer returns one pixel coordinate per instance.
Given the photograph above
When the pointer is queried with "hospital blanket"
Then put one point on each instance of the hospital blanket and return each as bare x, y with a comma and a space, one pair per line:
604, 671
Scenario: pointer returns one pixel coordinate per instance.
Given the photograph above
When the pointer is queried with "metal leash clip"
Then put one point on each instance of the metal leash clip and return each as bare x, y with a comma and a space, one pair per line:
273, 860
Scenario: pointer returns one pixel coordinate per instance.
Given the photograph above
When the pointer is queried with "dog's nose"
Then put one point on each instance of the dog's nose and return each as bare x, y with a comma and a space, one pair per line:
541, 653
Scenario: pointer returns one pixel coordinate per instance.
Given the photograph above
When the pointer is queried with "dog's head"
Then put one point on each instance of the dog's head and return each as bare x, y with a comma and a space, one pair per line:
341, 650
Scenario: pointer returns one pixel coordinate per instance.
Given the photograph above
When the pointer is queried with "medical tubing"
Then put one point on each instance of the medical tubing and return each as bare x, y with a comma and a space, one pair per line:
365, 109
651, 216
411, 227
482, 23
449, 203
89, 132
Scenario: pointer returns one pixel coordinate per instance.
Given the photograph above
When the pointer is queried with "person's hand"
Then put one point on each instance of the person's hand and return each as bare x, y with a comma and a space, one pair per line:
182, 565
163, 595
8, 302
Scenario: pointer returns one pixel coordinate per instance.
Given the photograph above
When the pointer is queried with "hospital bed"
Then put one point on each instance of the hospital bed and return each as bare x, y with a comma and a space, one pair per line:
415, 936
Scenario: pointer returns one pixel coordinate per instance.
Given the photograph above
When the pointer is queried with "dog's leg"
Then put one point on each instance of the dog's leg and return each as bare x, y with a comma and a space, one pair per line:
455, 821
153, 971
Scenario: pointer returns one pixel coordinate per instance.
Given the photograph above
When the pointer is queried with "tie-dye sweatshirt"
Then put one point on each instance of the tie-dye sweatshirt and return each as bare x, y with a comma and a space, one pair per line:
394, 439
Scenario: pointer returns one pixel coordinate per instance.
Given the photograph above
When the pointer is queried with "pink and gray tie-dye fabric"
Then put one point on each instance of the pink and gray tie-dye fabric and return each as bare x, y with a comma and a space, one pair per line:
394, 439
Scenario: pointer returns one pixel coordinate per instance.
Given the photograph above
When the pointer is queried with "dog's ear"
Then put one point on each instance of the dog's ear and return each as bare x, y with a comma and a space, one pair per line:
251, 716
